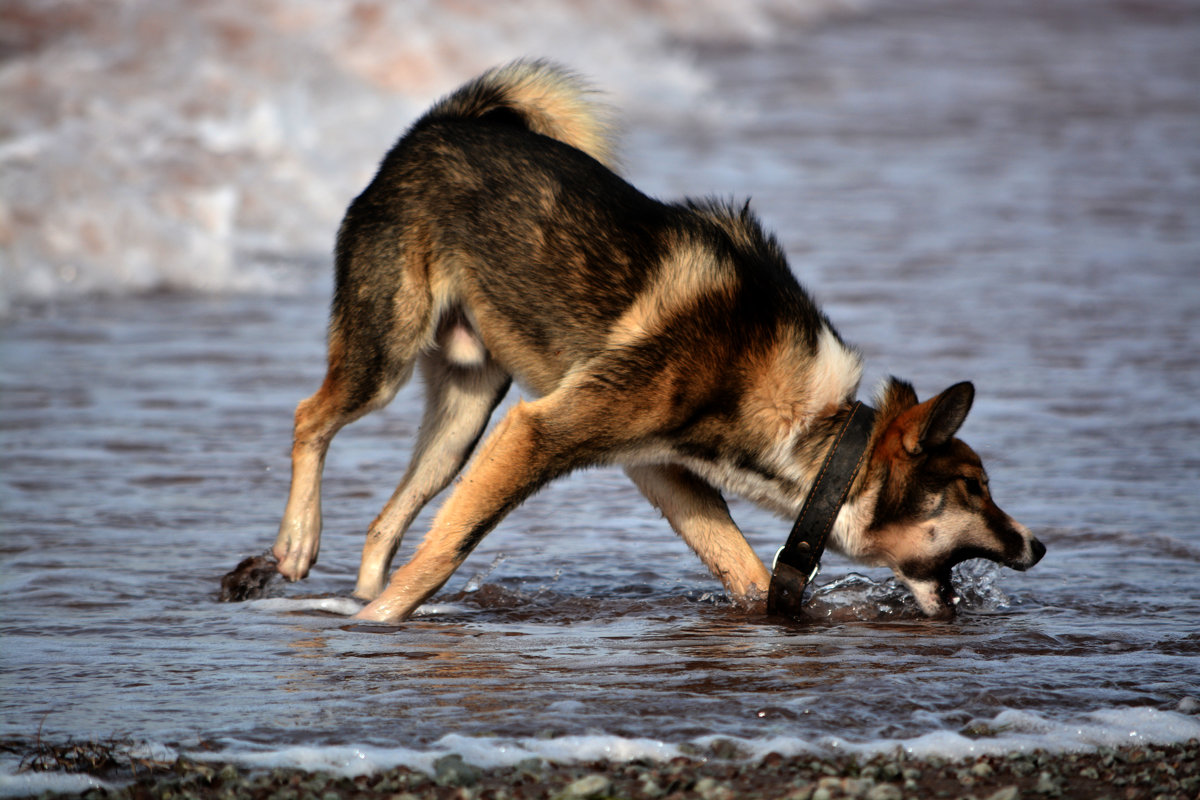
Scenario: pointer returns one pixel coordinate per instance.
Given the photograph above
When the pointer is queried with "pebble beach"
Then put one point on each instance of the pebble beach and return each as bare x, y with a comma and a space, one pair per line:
1169, 772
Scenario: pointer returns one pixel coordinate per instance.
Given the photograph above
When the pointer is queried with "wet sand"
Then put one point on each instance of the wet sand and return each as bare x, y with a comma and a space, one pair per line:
1166, 772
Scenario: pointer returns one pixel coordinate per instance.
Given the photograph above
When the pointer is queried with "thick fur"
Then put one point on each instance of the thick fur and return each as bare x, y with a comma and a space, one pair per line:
496, 243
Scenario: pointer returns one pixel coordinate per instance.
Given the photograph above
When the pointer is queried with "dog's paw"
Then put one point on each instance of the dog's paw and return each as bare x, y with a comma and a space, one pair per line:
248, 580
295, 554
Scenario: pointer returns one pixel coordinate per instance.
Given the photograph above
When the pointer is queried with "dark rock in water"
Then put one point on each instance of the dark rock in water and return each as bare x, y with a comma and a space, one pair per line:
248, 579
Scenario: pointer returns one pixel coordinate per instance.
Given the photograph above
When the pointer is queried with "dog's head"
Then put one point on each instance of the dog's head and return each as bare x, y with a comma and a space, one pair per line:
933, 508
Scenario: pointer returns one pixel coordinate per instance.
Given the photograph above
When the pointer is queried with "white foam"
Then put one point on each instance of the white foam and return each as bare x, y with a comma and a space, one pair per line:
334, 605
1015, 731
32, 784
1025, 731
486, 752
442, 609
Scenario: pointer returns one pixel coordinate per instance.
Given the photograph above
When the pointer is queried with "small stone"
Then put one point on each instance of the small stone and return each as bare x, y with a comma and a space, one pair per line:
1023, 766
823, 793
726, 749
587, 787
533, 766
885, 791
1048, 785
982, 769
1007, 793
855, 787
451, 770
710, 789
651, 787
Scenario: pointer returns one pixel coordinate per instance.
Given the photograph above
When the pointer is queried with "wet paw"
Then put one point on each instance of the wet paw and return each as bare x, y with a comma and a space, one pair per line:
248, 580
293, 559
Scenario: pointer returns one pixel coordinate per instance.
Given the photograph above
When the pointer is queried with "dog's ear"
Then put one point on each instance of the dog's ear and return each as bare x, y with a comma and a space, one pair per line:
934, 422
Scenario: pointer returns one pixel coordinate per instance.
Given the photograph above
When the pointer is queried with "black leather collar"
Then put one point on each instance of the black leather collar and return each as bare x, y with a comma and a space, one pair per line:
798, 561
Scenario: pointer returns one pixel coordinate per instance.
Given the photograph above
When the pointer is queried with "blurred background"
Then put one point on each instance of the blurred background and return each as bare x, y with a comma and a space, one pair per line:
150, 144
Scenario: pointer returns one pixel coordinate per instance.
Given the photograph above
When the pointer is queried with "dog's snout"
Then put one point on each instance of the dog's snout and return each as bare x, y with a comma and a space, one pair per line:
1038, 549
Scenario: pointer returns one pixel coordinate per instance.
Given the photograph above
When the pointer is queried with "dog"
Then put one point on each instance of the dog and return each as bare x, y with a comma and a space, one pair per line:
497, 243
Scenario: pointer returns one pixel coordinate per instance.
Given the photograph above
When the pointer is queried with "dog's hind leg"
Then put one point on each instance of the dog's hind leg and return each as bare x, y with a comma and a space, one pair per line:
459, 399
374, 340
317, 419
534, 443
698, 513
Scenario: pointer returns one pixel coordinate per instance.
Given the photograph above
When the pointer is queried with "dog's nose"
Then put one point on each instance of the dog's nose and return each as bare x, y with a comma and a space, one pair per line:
1038, 550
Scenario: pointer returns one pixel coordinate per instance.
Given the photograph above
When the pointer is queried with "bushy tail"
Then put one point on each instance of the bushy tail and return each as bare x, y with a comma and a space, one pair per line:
549, 99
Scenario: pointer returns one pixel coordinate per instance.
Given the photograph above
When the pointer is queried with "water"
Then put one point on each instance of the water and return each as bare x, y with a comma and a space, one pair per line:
1003, 193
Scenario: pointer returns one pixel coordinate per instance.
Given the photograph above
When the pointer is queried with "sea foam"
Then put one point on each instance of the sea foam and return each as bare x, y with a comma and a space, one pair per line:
1014, 731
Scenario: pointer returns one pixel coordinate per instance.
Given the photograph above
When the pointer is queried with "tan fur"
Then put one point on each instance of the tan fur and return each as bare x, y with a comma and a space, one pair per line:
317, 419
698, 513
559, 105
786, 400
459, 403
686, 275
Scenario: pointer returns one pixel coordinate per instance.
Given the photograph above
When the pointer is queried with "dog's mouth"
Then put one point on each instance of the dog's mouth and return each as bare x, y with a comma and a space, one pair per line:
946, 592
935, 593
934, 590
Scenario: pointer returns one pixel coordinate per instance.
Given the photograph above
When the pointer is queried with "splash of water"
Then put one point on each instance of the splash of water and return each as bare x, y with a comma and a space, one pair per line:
857, 596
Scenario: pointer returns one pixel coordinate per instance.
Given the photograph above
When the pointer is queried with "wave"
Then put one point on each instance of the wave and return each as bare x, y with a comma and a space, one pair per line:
165, 144
1009, 732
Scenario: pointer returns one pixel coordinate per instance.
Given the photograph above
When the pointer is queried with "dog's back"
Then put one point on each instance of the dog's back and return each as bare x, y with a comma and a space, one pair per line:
497, 201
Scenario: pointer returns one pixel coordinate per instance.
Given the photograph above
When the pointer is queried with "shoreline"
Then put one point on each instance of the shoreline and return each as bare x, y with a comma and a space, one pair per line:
1149, 771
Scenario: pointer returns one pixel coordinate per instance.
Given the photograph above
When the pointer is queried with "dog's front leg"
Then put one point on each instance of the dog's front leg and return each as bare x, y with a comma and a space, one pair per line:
514, 461
698, 513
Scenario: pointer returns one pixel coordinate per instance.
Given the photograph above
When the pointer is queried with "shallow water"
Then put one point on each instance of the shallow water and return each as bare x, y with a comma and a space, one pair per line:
999, 194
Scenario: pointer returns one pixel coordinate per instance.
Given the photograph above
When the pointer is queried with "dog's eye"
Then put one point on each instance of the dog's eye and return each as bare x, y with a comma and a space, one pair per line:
973, 487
